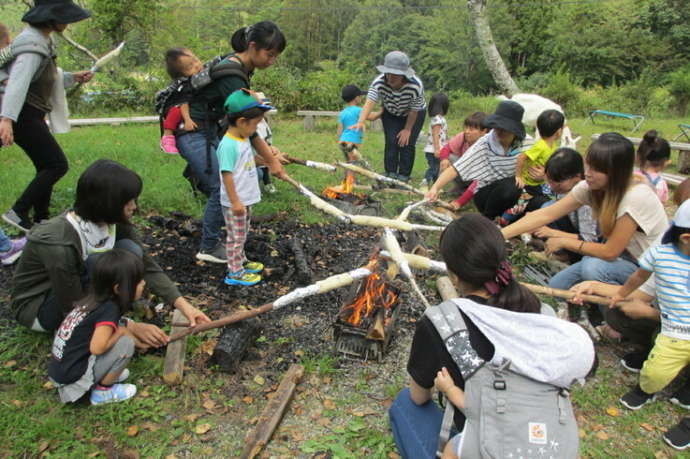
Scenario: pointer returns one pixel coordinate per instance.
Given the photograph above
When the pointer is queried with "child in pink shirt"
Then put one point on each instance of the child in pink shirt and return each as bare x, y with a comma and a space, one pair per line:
457, 146
653, 155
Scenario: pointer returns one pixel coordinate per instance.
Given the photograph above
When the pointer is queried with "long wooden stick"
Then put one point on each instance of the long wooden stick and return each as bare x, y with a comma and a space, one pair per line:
322, 286
273, 413
312, 164
364, 220
420, 262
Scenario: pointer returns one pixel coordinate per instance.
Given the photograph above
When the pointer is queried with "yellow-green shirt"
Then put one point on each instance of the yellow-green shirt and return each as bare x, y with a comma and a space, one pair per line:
537, 155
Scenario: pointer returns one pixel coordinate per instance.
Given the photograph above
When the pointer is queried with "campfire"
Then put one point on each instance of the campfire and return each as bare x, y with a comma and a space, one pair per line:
365, 324
346, 199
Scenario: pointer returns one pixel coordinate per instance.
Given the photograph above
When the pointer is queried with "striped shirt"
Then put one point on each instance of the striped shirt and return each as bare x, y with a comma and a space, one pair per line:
398, 102
671, 270
486, 161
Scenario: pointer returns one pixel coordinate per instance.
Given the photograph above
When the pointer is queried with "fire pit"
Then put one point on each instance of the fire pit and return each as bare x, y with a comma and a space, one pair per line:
366, 322
344, 198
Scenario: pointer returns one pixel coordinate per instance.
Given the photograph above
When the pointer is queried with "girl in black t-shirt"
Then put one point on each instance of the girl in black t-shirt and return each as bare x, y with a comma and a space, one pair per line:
92, 347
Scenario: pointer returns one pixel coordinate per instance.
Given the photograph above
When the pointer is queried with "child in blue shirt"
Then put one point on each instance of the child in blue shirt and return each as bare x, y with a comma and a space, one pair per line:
670, 264
349, 140
239, 183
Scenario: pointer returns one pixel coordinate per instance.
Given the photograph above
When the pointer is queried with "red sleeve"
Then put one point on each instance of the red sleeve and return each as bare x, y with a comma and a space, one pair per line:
444, 153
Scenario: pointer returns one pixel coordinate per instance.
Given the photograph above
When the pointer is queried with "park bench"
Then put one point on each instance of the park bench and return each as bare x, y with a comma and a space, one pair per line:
311, 115
684, 132
683, 152
673, 179
636, 119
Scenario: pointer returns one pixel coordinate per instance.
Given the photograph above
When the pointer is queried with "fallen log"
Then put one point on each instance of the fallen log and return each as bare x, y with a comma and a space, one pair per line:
304, 274
233, 343
322, 286
273, 413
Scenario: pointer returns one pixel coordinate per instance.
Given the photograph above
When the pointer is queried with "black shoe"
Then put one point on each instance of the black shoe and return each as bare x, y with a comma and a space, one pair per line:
679, 436
636, 399
682, 397
633, 361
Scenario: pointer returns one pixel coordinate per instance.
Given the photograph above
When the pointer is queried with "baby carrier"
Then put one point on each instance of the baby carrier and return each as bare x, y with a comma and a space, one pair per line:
510, 413
24, 43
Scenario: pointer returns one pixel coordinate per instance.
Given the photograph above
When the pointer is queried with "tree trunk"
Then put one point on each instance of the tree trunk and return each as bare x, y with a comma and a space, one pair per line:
494, 62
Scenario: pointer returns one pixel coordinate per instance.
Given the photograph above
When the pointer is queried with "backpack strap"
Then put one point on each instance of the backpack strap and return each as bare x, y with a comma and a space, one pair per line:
452, 329
653, 181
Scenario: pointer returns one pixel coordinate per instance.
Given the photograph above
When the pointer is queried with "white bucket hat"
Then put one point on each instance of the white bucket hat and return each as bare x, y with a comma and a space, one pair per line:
397, 63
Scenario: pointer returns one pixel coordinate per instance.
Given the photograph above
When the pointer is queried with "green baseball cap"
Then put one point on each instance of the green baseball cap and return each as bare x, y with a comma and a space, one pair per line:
241, 100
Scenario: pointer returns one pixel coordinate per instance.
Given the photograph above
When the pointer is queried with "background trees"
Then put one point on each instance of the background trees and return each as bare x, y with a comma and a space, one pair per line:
622, 54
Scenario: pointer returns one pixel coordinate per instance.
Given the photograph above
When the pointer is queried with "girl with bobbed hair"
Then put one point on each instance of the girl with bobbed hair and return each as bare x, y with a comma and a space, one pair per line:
59, 257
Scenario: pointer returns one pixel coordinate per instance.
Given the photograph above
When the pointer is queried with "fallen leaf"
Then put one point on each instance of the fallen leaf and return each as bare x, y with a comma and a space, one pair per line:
601, 435
393, 455
208, 346
259, 380
660, 455
94, 454
132, 430
186, 438
43, 446
209, 405
299, 353
48, 385
202, 428
329, 404
17, 403
208, 451
647, 427
613, 411
150, 426
130, 454
327, 380
248, 400
10, 363
144, 393
171, 456
191, 417
582, 433
364, 412
323, 421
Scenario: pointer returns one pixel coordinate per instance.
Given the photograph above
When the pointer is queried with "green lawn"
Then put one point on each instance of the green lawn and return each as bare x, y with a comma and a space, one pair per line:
167, 419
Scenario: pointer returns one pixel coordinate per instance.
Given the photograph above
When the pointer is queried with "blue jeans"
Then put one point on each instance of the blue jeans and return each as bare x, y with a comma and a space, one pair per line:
5, 243
415, 427
432, 171
592, 268
192, 148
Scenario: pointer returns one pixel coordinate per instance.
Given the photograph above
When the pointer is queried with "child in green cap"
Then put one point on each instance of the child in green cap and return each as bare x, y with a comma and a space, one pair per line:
238, 182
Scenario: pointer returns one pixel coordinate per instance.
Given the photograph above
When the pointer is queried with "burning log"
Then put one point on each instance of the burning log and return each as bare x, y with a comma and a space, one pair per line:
304, 274
322, 286
377, 331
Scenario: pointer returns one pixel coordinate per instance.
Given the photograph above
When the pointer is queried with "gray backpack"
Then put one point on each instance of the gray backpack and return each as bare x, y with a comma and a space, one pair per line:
508, 414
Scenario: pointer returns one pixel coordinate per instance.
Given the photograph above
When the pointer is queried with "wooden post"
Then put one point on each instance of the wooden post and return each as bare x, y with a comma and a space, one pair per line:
683, 162
174, 355
272, 413
446, 288
309, 123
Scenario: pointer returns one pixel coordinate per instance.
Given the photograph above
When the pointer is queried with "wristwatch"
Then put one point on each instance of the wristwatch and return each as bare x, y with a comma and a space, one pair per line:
123, 322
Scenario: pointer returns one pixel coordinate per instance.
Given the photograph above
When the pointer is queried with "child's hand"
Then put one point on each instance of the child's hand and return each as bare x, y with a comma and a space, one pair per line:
443, 381
431, 195
519, 182
190, 125
545, 232
238, 209
615, 299
444, 164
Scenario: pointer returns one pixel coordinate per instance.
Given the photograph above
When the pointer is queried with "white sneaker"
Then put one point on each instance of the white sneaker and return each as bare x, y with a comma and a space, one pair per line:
270, 188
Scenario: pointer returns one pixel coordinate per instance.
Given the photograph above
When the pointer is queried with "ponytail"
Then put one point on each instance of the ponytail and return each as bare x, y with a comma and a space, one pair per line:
265, 35
653, 150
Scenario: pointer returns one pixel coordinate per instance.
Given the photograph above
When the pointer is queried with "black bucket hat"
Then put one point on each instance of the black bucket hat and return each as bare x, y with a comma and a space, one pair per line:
59, 11
508, 116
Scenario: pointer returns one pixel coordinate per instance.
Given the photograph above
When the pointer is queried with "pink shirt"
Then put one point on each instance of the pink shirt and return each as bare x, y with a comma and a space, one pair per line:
455, 148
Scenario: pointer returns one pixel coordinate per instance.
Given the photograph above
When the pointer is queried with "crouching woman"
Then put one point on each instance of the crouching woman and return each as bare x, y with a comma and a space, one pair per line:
59, 257
495, 321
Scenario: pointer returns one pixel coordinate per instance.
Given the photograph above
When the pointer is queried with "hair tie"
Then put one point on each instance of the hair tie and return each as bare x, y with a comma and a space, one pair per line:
504, 274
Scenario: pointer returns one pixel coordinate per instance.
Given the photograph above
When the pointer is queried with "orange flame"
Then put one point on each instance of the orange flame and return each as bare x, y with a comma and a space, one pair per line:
346, 187
374, 295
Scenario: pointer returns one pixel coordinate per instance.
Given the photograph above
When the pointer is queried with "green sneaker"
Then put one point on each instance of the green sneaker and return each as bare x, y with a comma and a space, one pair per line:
253, 267
242, 278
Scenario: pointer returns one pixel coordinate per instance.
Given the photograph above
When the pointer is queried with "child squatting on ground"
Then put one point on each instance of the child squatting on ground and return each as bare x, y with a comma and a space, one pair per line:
550, 126
438, 138
92, 347
239, 183
670, 264
180, 63
473, 129
653, 155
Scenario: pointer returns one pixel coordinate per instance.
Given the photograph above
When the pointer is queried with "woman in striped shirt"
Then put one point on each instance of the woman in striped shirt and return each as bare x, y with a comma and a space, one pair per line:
402, 96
